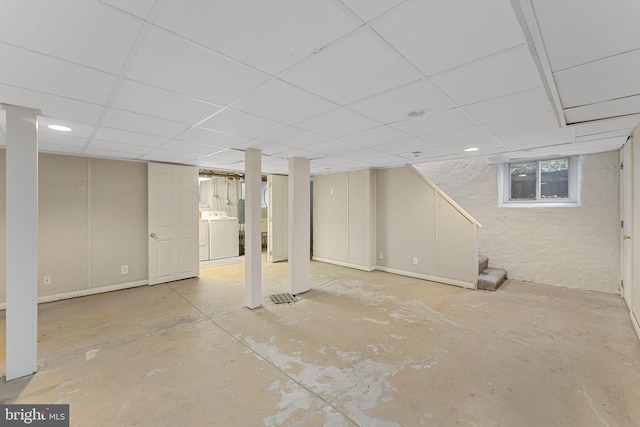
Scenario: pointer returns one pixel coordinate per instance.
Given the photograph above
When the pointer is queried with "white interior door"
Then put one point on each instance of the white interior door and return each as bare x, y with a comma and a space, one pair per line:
278, 216
173, 222
635, 229
627, 223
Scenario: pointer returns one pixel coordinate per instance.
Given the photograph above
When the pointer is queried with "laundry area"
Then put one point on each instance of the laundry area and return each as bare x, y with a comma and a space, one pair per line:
222, 217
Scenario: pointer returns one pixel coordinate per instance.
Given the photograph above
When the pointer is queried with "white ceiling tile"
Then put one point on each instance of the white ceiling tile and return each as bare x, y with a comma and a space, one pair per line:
577, 33
59, 148
435, 123
332, 147
595, 127
439, 35
601, 110
125, 137
139, 8
242, 124
293, 137
134, 122
458, 136
75, 30
338, 123
168, 61
110, 154
228, 156
603, 80
81, 130
523, 125
395, 104
298, 152
54, 76
279, 101
270, 36
376, 136
152, 101
589, 147
623, 133
545, 138
161, 155
408, 145
354, 68
212, 137
61, 139
363, 155
192, 147
51, 105
134, 150
389, 160
369, 9
520, 104
337, 162
500, 74
266, 148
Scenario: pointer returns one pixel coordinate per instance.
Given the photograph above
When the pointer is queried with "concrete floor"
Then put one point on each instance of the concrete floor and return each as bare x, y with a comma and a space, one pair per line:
359, 349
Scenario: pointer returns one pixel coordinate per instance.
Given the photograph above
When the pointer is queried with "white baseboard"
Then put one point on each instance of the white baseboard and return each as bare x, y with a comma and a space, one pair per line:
86, 292
444, 280
344, 264
634, 322
430, 278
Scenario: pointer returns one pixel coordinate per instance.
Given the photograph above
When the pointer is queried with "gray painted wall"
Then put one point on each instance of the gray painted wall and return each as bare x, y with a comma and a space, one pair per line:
92, 220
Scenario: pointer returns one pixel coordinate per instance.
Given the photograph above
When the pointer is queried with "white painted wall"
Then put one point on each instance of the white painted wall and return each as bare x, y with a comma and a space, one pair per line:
414, 220
570, 247
92, 220
344, 218
397, 213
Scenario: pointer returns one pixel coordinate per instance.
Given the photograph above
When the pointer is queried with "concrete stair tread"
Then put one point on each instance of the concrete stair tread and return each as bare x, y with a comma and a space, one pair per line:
491, 279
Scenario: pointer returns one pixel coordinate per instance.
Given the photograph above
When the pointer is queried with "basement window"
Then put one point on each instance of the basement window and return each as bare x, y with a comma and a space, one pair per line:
540, 182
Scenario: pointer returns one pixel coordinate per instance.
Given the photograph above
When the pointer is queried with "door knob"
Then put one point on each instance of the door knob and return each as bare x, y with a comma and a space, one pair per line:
625, 237
153, 235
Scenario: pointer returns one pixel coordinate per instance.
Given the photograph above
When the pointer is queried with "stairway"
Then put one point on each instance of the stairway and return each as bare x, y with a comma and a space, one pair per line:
489, 279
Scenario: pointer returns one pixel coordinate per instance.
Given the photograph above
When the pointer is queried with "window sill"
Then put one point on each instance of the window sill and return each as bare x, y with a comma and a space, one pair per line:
540, 205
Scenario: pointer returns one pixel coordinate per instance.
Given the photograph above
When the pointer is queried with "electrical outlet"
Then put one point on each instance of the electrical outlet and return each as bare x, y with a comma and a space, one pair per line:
124, 269
380, 255
415, 261
46, 279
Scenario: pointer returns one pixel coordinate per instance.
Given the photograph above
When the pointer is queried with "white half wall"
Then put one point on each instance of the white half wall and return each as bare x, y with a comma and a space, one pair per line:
569, 247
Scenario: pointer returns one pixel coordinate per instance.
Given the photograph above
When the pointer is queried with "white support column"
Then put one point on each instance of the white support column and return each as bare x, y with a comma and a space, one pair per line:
299, 225
253, 229
22, 241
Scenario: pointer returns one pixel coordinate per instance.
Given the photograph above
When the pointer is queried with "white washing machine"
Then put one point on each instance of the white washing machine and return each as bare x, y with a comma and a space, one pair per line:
224, 239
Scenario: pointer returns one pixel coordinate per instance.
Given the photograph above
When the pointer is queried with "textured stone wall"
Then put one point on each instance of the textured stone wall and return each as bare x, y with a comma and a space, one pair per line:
570, 247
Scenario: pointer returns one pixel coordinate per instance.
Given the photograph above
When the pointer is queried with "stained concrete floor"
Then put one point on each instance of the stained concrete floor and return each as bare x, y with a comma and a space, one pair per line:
358, 349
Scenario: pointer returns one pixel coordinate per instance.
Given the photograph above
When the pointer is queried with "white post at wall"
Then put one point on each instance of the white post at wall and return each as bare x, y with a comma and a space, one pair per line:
299, 225
21, 241
253, 229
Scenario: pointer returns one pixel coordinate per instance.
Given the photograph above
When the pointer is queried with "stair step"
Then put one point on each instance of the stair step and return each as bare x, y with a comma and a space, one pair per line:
491, 279
483, 263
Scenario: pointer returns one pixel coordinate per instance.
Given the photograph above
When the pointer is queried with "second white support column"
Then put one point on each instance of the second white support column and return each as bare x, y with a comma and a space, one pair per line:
252, 230
299, 225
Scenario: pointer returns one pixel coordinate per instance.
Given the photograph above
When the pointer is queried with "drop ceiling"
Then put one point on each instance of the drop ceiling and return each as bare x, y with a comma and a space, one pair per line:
197, 82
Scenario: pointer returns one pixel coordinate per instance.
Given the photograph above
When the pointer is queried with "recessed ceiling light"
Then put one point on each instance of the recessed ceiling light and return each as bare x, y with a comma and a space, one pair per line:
523, 174
472, 149
59, 128
416, 113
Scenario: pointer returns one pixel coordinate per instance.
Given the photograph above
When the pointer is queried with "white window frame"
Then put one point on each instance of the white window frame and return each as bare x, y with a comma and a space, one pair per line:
504, 185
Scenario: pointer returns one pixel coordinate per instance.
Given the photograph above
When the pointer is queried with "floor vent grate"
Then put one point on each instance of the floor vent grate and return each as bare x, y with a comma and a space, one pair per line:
283, 298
